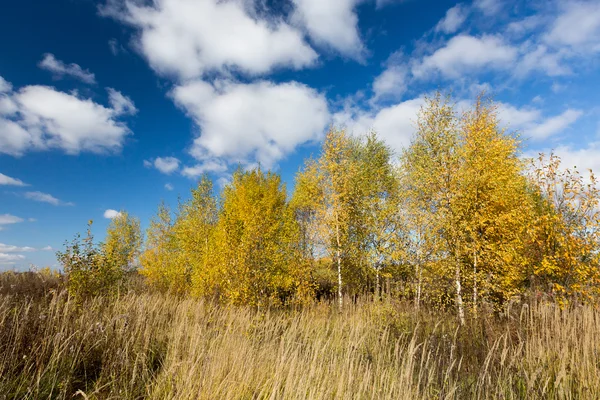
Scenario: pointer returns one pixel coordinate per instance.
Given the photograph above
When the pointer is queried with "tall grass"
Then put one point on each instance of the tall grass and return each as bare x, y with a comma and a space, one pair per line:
162, 347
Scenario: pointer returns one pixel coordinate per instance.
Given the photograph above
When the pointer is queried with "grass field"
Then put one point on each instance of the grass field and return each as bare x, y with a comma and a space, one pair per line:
162, 347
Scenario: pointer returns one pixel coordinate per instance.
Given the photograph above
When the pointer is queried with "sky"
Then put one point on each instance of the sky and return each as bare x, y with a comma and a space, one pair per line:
118, 104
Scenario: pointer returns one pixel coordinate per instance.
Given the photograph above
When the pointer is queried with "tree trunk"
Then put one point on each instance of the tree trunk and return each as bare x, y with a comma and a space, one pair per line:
419, 283
419, 279
388, 286
475, 283
377, 286
339, 263
459, 300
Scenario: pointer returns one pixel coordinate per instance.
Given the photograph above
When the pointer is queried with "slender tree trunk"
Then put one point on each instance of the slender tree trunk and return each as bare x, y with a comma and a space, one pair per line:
388, 286
419, 280
339, 262
377, 286
475, 283
419, 283
459, 300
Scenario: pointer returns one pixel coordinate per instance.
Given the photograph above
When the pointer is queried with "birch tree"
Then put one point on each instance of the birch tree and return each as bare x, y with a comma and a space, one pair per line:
430, 166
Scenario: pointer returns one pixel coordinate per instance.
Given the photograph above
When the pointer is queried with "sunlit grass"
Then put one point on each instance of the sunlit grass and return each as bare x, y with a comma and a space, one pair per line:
162, 347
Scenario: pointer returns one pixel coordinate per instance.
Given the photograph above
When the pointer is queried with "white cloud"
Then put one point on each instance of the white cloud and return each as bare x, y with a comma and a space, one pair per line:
261, 121
110, 214
187, 38
531, 123
46, 198
537, 57
168, 186
514, 117
489, 7
383, 3
122, 105
577, 25
581, 158
463, 54
526, 25
453, 19
7, 259
60, 69
6, 219
115, 47
8, 248
555, 124
4, 85
47, 248
207, 166
43, 118
7, 105
7, 180
166, 165
333, 24
394, 124
392, 82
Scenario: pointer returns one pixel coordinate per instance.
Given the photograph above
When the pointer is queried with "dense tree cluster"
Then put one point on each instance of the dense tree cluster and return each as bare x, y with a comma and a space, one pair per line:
458, 219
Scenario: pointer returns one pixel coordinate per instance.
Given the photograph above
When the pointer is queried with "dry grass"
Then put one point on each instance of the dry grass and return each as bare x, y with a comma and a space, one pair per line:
161, 347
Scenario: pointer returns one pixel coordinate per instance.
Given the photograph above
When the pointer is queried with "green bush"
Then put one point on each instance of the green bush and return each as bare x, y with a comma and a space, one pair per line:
89, 270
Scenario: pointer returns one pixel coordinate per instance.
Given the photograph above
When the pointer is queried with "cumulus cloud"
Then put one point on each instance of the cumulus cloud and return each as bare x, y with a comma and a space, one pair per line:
538, 57
166, 165
110, 214
44, 118
465, 53
581, 158
394, 124
532, 124
60, 69
554, 125
332, 24
525, 25
168, 187
549, 42
393, 82
122, 105
4, 85
46, 198
214, 166
7, 180
261, 121
187, 38
453, 19
489, 7
578, 25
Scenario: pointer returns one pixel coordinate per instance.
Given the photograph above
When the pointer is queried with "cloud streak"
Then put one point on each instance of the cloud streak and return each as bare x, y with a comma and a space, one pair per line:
61, 69
8, 181
46, 198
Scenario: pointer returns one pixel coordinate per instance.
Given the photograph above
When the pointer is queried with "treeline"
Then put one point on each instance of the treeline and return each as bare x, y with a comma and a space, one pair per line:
457, 219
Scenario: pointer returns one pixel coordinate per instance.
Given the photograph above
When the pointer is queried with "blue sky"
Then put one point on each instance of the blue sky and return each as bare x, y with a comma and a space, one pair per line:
119, 104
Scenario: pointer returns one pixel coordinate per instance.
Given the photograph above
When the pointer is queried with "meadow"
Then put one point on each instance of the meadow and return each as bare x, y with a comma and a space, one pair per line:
146, 345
